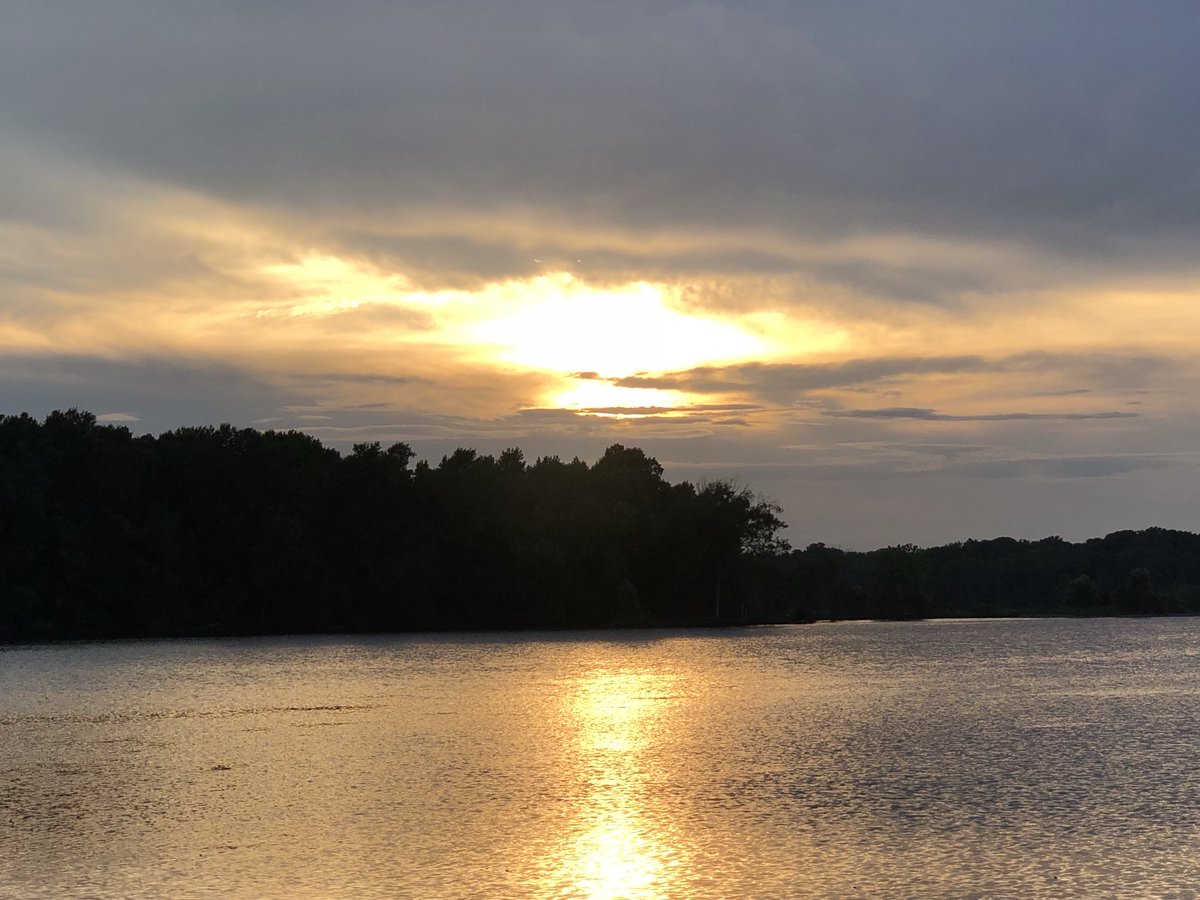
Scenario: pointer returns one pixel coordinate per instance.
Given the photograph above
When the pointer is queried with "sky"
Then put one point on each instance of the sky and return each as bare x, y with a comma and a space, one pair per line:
917, 271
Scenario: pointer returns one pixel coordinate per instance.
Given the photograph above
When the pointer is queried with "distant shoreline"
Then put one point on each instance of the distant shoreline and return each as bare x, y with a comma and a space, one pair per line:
224, 531
584, 632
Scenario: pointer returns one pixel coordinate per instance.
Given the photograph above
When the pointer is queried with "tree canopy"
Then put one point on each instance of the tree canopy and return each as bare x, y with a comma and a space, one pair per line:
220, 530
224, 530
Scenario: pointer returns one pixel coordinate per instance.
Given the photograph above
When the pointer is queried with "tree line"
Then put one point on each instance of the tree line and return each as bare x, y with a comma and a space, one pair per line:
1155, 571
217, 530
224, 530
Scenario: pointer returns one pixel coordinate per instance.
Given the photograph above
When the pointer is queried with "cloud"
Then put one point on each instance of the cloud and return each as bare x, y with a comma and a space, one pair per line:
1098, 466
360, 378
937, 466
1071, 127
379, 316
782, 380
1068, 392
930, 415
157, 394
930, 213
785, 382
668, 410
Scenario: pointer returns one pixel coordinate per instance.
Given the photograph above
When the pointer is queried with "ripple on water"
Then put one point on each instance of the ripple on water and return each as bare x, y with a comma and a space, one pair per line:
1019, 759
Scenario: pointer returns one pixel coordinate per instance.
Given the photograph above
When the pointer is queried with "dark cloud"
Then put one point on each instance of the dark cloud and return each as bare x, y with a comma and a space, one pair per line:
783, 382
443, 260
941, 283
1071, 125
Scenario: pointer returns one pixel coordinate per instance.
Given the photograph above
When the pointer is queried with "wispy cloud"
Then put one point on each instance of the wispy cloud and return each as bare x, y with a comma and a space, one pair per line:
788, 378
930, 415
784, 382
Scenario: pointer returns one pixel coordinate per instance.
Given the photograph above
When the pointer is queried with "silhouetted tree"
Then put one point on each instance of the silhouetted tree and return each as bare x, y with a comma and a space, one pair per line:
225, 530
898, 576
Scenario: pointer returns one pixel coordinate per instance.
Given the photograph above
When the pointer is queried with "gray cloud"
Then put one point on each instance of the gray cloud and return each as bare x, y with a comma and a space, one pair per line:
381, 315
1070, 125
783, 382
1068, 392
445, 260
930, 415
326, 378
157, 394
1024, 468
1061, 467
833, 156
875, 460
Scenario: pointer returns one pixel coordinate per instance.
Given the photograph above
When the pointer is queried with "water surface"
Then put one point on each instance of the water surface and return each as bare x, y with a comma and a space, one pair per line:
1051, 758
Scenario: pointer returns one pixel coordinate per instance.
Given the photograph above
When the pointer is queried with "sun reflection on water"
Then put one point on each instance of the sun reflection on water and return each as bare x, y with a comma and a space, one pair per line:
615, 850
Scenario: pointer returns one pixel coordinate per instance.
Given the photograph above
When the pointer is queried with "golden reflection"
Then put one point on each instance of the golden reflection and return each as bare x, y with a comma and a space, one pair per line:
615, 850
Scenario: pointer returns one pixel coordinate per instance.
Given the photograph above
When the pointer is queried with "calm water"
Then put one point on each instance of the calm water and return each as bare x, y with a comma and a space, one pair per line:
949, 759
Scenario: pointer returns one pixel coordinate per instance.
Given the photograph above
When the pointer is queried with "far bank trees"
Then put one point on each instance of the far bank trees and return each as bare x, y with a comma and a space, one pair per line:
224, 530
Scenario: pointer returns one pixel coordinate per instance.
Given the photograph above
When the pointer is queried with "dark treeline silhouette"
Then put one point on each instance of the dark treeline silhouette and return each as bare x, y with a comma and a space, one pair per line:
223, 530
1155, 571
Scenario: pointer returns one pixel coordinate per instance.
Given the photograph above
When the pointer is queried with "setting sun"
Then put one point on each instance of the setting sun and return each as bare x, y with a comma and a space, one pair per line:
606, 398
563, 325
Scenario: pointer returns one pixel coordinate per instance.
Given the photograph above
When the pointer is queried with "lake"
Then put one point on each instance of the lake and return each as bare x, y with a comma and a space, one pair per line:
1022, 758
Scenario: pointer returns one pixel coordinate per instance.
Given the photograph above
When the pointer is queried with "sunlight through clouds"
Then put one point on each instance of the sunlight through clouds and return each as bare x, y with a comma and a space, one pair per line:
588, 394
555, 324
701, 227
563, 325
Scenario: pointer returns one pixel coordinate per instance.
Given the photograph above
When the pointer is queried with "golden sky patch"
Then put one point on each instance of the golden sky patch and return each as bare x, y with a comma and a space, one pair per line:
560, 324
556, 324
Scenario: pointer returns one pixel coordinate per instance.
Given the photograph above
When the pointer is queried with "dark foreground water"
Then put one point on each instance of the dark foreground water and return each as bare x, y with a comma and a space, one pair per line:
1047, 758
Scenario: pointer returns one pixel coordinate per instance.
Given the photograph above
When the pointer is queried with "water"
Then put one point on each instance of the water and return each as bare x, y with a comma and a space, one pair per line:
1040, 758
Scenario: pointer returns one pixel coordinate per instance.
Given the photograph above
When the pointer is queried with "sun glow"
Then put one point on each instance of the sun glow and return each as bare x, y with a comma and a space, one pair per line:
562, 325
327, 285
604, 397
552, 323
574, 338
